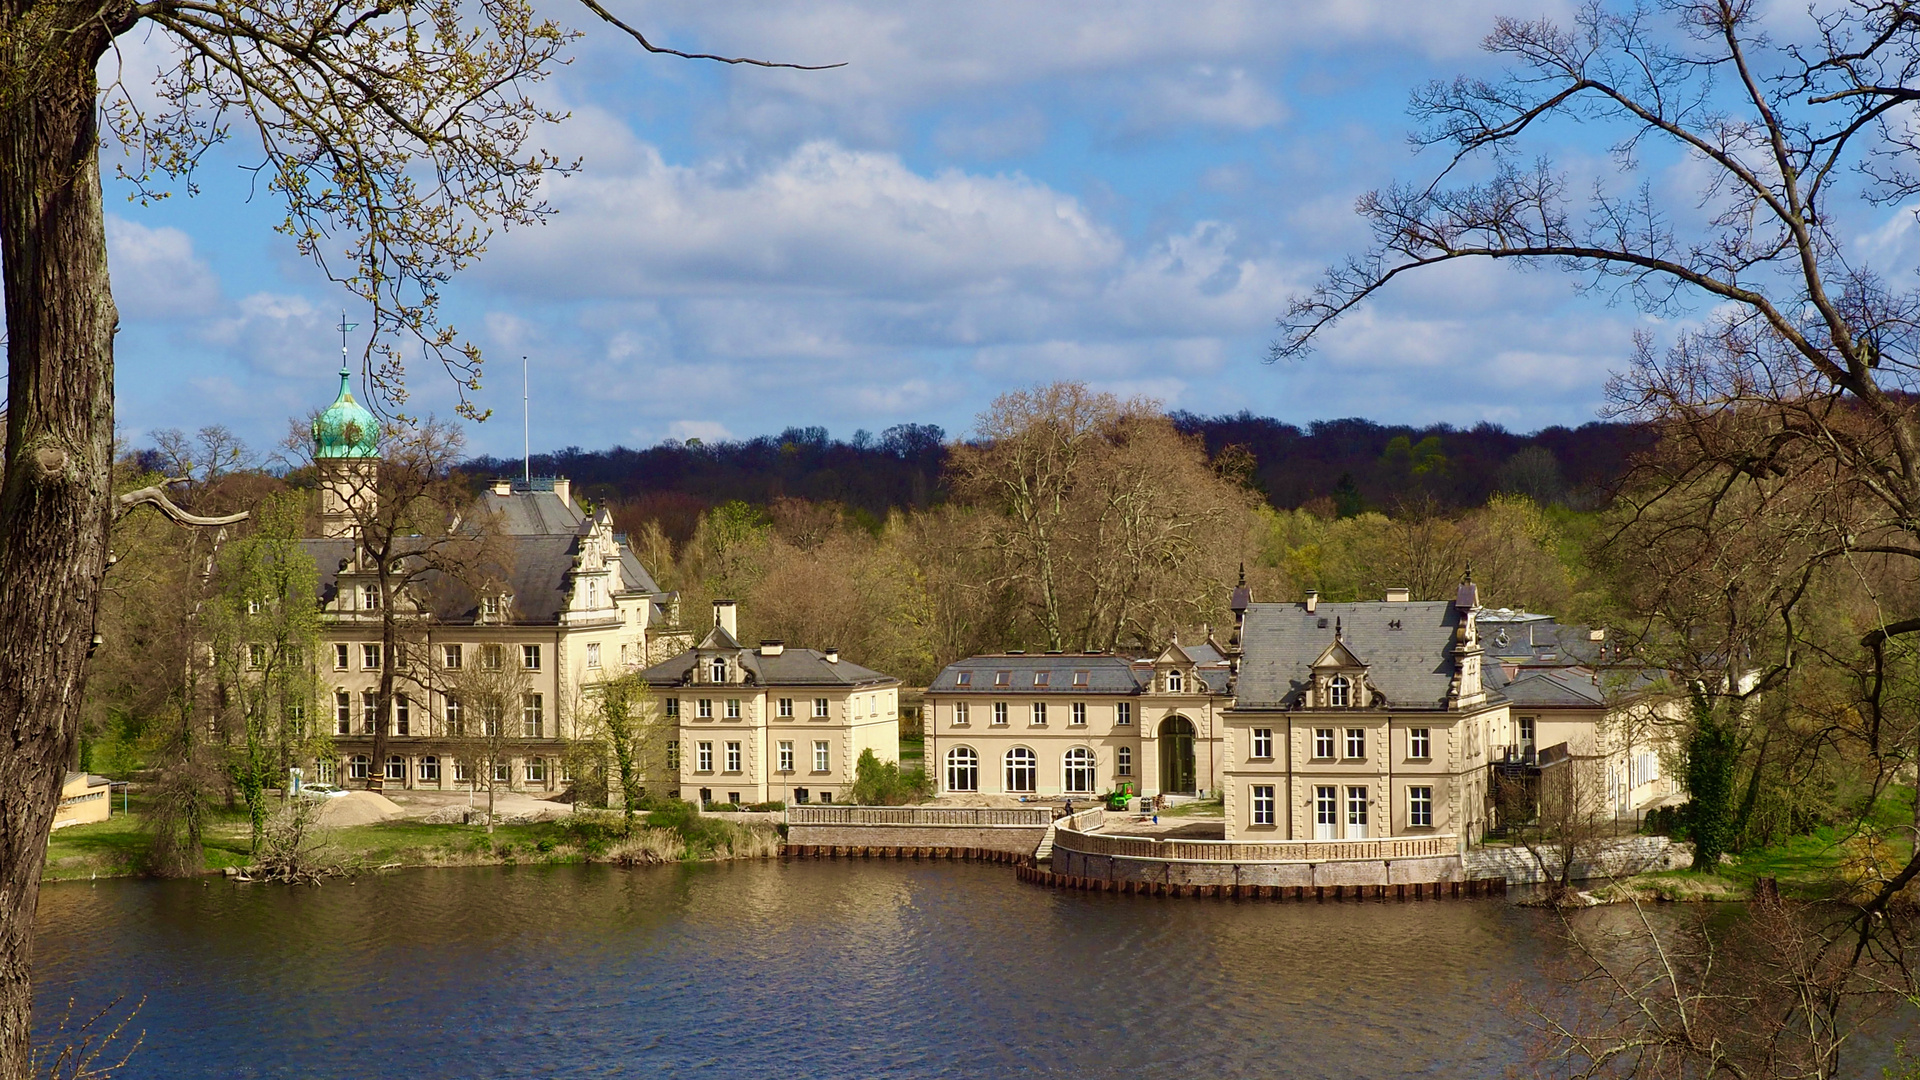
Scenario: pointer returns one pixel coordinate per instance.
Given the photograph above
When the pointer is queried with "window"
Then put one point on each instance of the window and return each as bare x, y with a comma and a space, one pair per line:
673, 708
704, 708
490, 607
1419, 743
1262, 744
1337, 691
1123, 713
1123, 761
1040, 678
1356, 813
733, 708
717, 669
733, 757
960, 714
461, 773
1076, 771
532, 716
430, 769
593, 593
1003, 678
1326, 811
593, 654
530, 657
826, 796
963, 678
1263, 804
963, 769
786, 708
456, 720
340, 658
342, 712
1077, 716
1000, 714
1080, 678
253, 607
359, 766
819, 708
256, 656
369, 598
536, 770
1356, 743
402, 715
492, 657
450, 657
801, 795
1526, 730
396, 767
1021, 769
502, 772
1420, 807
785, 757
1323, 742
490, 718
325, 769
1039, 709
703, 757
1176, 682
820, 763
370, 657
369, 711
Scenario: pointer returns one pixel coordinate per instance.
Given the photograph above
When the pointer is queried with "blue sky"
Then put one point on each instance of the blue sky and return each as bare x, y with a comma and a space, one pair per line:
991, 195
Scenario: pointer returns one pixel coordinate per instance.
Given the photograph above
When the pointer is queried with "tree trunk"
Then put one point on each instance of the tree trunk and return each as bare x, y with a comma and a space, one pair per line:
55, 498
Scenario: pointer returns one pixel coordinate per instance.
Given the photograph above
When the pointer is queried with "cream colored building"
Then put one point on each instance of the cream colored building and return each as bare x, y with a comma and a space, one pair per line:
1078, 724
84, 799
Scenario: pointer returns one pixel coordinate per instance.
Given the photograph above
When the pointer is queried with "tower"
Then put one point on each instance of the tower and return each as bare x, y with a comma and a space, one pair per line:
346, 450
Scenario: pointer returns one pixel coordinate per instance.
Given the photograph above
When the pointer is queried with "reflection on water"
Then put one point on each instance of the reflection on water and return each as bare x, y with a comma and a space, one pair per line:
804, 969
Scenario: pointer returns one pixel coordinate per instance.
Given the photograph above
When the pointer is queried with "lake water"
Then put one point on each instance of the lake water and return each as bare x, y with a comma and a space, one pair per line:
765, 969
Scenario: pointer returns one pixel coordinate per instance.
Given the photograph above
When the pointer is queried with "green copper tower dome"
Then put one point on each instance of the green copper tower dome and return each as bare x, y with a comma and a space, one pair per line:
346, 429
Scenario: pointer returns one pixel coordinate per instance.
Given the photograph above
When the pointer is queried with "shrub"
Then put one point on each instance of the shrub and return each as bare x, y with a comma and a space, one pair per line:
881, 783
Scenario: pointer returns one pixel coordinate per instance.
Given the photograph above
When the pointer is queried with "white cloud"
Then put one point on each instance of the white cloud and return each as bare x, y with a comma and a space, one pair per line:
156, 274
704, 430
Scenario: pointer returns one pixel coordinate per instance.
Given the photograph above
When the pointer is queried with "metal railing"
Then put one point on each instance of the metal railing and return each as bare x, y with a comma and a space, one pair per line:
1227, 851
949, 817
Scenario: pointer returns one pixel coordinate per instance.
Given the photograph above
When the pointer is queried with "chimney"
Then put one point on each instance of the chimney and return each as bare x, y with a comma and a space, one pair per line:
772, 648
724, 617
503, 487
1398, 596
1313, 600
833, 654
563, 487
1598, 633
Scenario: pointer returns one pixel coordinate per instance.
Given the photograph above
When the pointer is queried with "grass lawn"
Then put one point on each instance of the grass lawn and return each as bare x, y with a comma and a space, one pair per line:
1203, 808
913, 751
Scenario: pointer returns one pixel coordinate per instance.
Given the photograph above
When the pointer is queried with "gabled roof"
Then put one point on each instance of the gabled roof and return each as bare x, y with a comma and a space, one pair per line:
1408, 646
1558, 688
1337, 655
1173, 654
718, 638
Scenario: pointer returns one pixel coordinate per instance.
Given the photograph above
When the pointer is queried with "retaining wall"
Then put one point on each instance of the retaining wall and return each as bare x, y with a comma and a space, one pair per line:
1013, 831
1616, 858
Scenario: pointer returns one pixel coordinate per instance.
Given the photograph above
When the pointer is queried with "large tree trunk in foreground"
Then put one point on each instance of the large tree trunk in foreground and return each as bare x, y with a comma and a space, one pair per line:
54, 503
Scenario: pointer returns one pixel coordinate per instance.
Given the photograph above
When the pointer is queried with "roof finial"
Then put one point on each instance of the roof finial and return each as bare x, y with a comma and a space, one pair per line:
1336, 628
1243, 573
344, 328
1467, 578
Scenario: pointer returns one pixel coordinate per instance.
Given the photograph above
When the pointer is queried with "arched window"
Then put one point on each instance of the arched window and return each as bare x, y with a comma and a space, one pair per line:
396, 767
358, 766
430, 769
718, 668
963, 769
1337, 691
1077, 769
1022, 770
1175, 682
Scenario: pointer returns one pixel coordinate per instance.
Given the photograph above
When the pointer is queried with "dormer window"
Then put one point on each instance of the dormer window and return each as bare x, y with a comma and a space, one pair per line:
1003, 678
1176, 682
593, 594
489, 607
1040, 678
1339, 691
369, 598
718, 669
963, 678
1080, 678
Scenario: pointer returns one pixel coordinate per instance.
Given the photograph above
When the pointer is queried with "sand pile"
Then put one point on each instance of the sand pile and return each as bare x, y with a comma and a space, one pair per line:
358, 808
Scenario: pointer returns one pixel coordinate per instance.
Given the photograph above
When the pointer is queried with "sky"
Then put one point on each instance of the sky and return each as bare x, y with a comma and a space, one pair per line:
990, 195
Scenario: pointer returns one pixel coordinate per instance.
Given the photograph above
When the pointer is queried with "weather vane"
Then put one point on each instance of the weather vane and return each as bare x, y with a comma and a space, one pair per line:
345, 327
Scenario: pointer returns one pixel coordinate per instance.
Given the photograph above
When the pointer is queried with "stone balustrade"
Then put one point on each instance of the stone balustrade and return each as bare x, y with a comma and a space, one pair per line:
951, 817
1283, 851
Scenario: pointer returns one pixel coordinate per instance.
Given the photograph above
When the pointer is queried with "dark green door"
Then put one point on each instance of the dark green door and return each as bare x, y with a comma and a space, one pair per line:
1176, 756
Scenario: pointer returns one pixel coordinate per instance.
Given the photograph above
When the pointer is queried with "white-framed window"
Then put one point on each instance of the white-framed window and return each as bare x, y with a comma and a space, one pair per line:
1123, 713
1123, 761
340, 655
1262, 804
703, 708
342, 712
1077, 714
1323, 742
533, 720
593, 592
593, 654
673, 754
784, 756
819, 708
369, 598
1356, 812
430, 769
462, 774
733, 757
256, 656
960, 714
490, 719
359, 767
530, 657
703, 757
456, 717
402, 715
733, 708
253, 607
563, 771
369, 711
1356, 743
492, 657
503, 772
1176, 682
396, 767
999, 714
717, 669
1420, 807
490, 607
535, 770
324, 770
1262, 743
673, 708
1022, 770
1039, 714
370, 657
1326, 811
1076, 771
451, 657
821, 762
1419, 743
1338, 691
786, 708
963, 769
1526, 730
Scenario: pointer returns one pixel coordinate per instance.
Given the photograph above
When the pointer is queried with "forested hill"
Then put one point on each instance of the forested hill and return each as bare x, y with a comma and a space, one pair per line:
1357, 464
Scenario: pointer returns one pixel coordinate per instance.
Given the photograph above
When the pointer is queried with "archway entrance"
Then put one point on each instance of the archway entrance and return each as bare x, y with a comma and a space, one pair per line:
1176, 757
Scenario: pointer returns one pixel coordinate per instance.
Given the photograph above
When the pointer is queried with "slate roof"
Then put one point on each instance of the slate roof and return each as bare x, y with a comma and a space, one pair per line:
1107, 673
1552, 688
793, 667
533, 513
1412, 664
